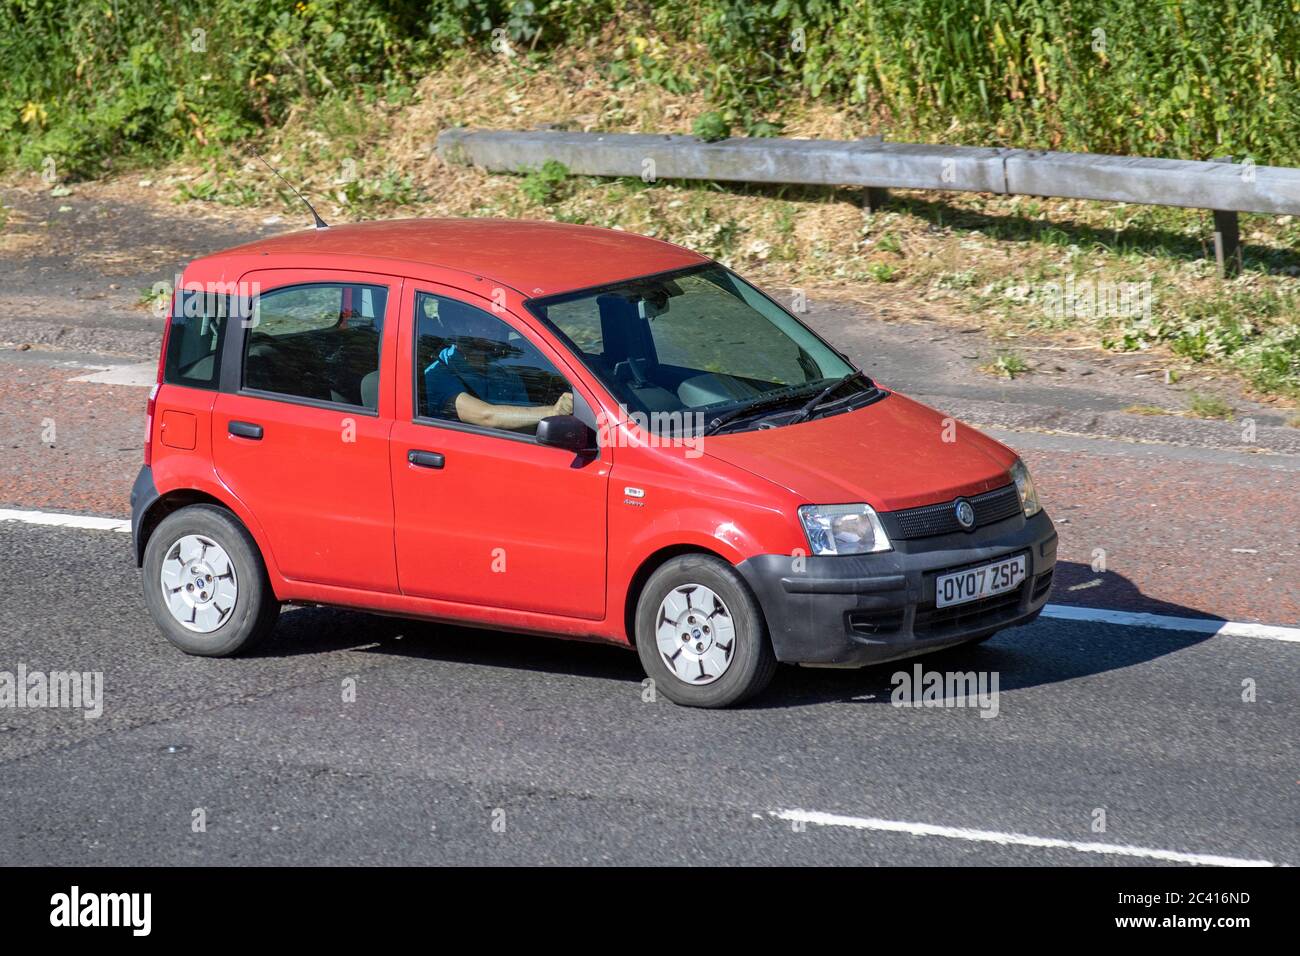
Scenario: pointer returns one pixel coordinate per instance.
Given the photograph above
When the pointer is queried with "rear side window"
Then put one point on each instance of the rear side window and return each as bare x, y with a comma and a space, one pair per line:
319, 342
198, 328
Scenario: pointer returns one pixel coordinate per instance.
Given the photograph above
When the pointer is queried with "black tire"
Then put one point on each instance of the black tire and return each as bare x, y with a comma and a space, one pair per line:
751, 663
255, 610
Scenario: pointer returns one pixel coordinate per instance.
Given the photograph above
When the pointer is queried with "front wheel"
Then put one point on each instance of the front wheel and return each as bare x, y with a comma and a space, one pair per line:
205, 584
701, 635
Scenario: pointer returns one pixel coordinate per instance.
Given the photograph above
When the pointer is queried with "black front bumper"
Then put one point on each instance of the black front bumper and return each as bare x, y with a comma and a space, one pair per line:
865, 609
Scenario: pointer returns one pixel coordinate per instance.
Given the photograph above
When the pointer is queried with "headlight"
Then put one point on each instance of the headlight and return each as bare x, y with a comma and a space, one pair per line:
843, 529
1025, 485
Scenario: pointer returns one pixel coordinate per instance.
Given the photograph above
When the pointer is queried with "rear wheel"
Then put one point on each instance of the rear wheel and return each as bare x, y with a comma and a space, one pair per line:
205, 583
701, 635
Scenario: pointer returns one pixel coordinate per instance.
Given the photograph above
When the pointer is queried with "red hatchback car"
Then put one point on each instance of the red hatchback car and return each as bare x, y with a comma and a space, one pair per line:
565, 430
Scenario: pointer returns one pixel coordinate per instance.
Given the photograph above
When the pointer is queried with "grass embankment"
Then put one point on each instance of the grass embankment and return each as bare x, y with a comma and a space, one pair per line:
348, 98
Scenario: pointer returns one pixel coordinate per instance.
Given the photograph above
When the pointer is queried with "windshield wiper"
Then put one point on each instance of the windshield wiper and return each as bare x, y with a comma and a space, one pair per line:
784, 397
757, 405
825, 393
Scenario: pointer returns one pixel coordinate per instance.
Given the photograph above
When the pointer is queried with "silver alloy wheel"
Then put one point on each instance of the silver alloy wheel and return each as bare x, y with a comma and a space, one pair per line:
695, 634
199, 583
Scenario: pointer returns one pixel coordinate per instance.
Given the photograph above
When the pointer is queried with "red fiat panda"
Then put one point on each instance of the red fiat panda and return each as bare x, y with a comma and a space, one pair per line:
565, 430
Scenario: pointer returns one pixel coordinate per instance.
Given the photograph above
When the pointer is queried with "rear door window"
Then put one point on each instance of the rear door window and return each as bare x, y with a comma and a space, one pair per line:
319, 341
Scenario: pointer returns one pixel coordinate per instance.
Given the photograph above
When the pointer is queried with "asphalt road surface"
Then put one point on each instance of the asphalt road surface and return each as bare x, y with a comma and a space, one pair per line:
453, 731
352, 738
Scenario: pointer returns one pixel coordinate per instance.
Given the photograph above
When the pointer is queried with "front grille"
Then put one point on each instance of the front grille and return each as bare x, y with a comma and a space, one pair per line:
986, 612
924, 522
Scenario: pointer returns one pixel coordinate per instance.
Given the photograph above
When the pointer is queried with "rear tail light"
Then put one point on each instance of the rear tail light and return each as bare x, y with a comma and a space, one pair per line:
148, 425
153, 392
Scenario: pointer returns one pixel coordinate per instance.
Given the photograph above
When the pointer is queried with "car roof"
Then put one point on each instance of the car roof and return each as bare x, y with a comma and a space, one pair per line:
534, 258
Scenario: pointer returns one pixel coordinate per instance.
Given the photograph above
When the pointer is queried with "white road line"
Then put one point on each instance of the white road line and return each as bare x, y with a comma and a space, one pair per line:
56, 520
1061, 611
1099, 615
1009, 839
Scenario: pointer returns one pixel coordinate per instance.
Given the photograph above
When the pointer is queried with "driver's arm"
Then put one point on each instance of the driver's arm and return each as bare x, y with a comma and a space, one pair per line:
475, 411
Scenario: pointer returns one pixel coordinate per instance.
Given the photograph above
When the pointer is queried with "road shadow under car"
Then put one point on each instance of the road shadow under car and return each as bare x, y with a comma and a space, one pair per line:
1079, 585
1046, 651
315, 630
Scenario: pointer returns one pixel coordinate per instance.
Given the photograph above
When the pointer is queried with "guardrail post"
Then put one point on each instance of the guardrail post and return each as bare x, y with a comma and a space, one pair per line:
1227, 243
876, 196
1227, 237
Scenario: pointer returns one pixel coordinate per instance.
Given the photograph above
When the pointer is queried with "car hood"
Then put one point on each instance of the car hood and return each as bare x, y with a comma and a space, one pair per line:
891, 454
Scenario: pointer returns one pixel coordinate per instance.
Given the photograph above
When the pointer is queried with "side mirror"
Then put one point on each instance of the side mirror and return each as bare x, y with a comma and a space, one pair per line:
566, 431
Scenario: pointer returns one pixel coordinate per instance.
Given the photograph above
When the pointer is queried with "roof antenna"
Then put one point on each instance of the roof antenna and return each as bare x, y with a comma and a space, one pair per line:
320, 223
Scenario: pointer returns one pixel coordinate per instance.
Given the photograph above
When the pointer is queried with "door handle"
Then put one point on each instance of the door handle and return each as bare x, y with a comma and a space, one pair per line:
424, 459
245, 430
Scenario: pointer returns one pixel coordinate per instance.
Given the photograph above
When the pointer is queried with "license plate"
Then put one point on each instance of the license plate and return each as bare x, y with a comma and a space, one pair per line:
981, 582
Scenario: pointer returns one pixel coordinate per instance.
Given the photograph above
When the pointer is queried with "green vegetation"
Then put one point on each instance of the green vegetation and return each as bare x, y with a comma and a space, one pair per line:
91, 84
1208, 406
346, 97
1006, 365
711, 127
545, 186
1254, 331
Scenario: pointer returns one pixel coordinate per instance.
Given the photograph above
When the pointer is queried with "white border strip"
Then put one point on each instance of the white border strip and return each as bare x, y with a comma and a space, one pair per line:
1009, 839
1271, 632
140, 375
56, 520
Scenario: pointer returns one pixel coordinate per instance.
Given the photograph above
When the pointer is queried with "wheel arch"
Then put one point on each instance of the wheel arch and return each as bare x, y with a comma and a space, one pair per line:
172, 501
652, 563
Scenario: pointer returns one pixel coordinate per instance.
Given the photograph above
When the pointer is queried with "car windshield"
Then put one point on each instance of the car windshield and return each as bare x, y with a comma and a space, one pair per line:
696, 345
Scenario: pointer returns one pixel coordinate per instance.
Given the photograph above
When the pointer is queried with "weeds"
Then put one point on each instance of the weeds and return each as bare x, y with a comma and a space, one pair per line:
547, 185
330, 90
711, 127
91, 85
1209, 406
1007, 365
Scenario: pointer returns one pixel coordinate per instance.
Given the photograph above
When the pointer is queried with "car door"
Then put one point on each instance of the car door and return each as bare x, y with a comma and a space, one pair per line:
486, 516
302, 437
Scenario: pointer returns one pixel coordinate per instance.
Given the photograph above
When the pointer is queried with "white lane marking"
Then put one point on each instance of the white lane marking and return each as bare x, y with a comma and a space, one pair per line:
143, 374
1060, 611
56, 520
1009, 839
1100, 615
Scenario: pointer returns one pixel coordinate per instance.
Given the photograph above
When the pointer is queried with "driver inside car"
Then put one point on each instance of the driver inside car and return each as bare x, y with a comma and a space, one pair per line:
468, 382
